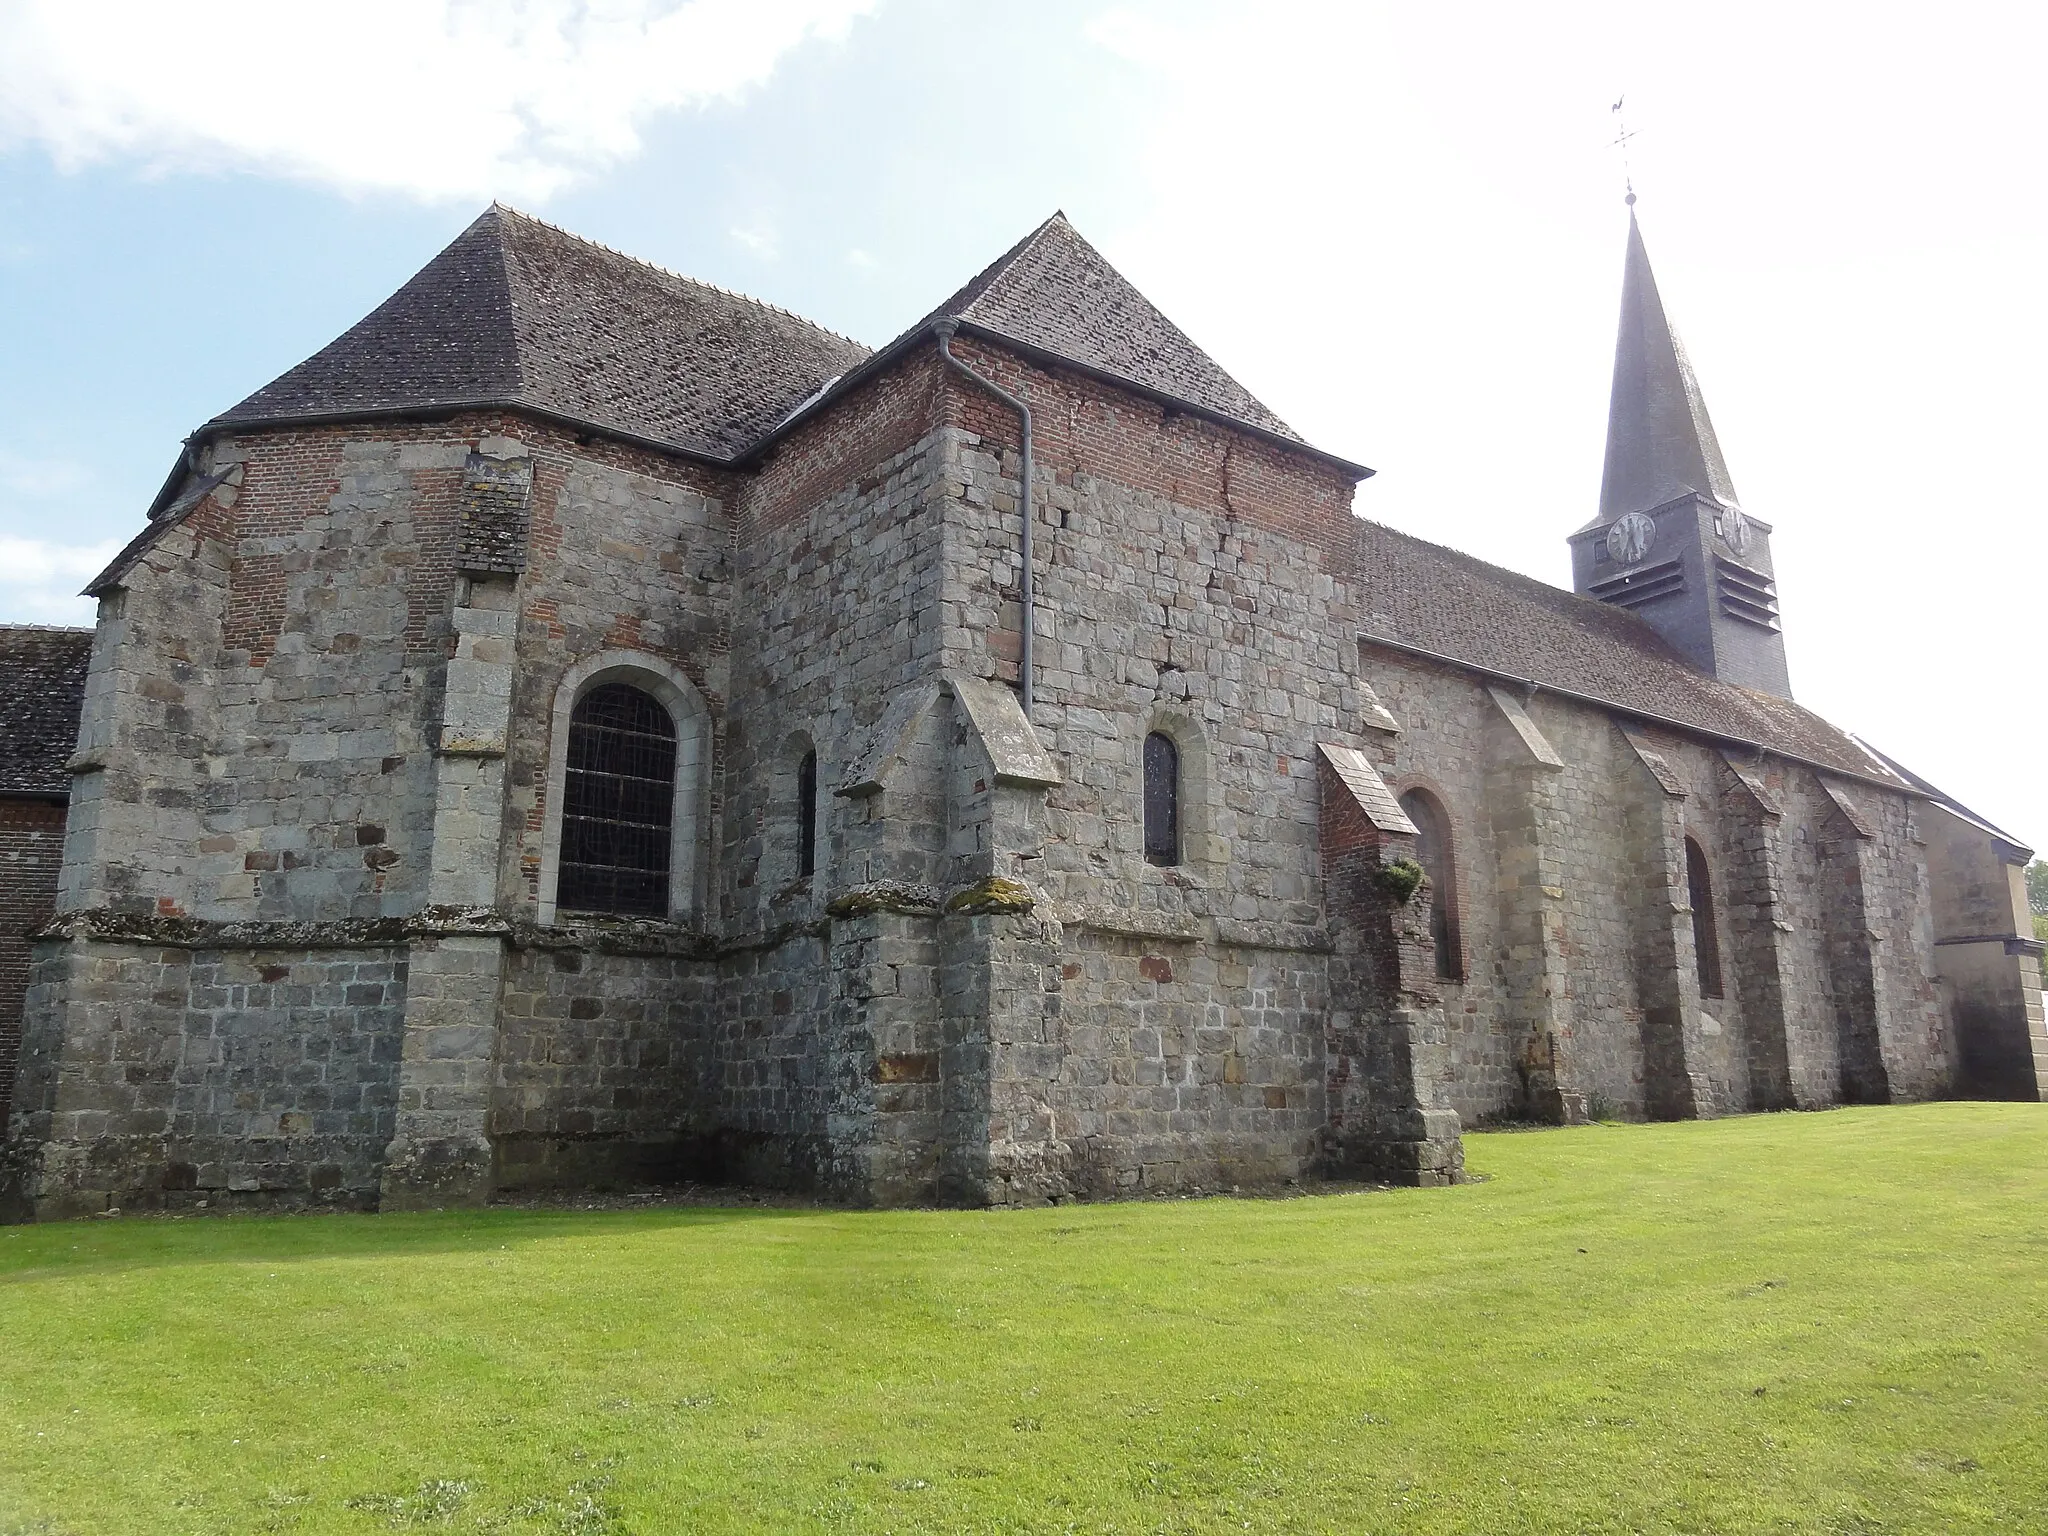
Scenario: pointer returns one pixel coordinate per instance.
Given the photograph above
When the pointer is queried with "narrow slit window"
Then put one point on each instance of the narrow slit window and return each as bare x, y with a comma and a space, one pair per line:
807, 816
1706, 939
618, 805
1162, 800
1433, 853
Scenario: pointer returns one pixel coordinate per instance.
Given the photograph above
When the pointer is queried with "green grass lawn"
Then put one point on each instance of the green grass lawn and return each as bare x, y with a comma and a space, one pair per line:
1833, 1322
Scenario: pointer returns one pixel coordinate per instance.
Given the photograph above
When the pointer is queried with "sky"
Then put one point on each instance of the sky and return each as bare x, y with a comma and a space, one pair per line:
1400, 226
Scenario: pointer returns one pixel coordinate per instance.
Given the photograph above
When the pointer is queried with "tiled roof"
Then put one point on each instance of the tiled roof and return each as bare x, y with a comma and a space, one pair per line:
1434, 599
1055, 292
517, 312
42, 689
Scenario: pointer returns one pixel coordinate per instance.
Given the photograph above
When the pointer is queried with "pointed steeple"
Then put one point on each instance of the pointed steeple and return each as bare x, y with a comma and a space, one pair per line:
1671, 542
1660, 442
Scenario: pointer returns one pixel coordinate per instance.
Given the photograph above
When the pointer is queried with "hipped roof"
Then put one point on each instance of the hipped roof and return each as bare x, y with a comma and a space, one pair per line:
515, 312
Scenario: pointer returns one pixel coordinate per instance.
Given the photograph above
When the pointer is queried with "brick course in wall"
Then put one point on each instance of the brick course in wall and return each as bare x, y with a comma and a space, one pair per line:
31, 850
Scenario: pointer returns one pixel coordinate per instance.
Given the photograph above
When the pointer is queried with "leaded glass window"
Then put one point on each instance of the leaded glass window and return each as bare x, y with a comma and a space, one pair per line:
807, 815
1706, 938
618, 804
1162, 800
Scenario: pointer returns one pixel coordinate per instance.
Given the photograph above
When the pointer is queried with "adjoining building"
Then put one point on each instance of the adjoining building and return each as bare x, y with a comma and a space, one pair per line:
586, 726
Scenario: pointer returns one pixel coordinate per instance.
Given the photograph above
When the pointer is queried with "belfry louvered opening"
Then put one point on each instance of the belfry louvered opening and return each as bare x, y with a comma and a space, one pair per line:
618, 804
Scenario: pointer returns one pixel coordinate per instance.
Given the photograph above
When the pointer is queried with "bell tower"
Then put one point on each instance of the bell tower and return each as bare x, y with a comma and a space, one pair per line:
1671, 541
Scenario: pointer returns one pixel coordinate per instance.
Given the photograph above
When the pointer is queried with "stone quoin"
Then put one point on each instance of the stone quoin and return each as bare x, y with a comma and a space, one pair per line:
567, 732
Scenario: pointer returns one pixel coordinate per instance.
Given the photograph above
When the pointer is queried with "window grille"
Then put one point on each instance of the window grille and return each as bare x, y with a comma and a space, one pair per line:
1706, 940
1433, 853
807, 815
618, 804
1162, 800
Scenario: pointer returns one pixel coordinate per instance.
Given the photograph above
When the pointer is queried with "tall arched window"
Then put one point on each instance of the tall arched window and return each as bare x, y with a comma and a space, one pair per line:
618, 804
807, 816
1706, 939
1433, 853
1162, 800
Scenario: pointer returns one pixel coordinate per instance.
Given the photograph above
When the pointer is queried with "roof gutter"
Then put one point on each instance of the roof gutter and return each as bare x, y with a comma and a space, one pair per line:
1531, 687
944, 330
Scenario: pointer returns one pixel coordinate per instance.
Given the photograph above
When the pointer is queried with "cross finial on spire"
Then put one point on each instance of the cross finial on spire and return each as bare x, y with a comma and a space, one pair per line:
1622, 137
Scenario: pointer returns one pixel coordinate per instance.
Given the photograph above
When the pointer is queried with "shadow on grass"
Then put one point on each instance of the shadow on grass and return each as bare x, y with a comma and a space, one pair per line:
40, 1252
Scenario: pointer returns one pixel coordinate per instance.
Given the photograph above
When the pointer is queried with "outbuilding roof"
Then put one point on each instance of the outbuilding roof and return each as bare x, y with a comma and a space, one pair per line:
42, 690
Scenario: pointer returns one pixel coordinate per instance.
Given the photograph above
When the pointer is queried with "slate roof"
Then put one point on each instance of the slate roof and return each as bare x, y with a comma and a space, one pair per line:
1053, 291
516, 312
1422, 595
42, 689
1660, 440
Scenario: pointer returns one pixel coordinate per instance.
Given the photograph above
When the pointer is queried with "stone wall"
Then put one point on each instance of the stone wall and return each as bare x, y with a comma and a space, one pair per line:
1988, 961
827, 1029
309, 948
1189, 582
1798, 892
603, 1068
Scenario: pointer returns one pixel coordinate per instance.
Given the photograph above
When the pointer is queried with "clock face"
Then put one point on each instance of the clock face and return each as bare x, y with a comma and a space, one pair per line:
1630, 538
1735, 529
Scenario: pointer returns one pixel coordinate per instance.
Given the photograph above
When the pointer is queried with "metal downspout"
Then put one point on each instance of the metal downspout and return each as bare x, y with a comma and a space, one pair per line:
944, 330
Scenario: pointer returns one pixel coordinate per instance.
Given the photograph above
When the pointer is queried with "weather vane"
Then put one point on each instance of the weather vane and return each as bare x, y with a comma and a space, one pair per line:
1622, 136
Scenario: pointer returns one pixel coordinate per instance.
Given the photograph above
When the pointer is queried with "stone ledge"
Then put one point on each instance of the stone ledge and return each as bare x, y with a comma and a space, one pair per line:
103, 925
1289, 938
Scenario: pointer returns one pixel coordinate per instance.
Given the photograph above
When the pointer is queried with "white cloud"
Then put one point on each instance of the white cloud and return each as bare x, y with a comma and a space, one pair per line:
435, 98
39, 579
38, 479
757, 240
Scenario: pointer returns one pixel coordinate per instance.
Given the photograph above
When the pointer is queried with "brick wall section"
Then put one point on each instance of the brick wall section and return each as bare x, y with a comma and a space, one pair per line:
31, 851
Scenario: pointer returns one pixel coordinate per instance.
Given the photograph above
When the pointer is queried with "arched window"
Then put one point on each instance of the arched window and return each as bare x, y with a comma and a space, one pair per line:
807, 816
1706, 939
1162, 800
618, 804
1433, 853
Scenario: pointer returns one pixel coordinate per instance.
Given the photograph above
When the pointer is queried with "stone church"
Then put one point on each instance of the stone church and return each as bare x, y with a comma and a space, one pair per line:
585, 726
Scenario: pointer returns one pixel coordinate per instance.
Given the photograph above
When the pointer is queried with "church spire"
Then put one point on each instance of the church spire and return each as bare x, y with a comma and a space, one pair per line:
1670, 542
1660, 442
